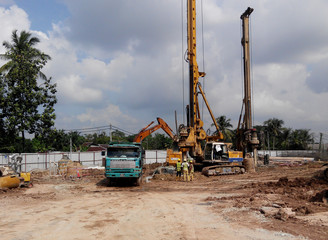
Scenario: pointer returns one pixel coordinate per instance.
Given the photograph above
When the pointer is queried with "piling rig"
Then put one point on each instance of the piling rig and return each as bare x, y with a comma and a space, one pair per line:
246, 135
211, 152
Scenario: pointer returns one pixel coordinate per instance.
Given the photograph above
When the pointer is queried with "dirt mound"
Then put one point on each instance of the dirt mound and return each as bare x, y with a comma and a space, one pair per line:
38, 173
320, 197
296, 183
148, 169
164, 177
297, 188
302, 210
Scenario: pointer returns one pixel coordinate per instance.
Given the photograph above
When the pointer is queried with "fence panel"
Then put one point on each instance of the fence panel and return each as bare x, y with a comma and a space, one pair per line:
155, 156
32, 161
289, 153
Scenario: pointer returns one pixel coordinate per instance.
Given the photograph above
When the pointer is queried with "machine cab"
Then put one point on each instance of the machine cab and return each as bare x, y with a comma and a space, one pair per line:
216, 151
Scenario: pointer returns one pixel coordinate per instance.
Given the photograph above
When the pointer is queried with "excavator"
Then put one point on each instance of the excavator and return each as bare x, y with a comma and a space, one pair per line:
172, 155
146, 131
216, 156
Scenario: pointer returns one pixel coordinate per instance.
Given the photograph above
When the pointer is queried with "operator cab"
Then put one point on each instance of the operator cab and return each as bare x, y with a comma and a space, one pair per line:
216, 151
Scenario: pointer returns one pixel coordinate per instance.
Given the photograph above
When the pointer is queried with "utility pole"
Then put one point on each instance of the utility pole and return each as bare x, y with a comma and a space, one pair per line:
320, 142
110, 132
70, 146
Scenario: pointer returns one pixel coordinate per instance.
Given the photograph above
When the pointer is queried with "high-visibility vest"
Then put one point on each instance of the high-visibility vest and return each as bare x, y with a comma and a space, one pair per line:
179, 166
185, 166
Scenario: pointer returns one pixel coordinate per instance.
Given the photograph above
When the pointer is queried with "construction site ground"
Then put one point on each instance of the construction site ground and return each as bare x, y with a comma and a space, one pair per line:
276, 202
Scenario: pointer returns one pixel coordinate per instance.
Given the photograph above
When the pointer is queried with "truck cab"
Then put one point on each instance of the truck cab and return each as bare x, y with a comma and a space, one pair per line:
124, 161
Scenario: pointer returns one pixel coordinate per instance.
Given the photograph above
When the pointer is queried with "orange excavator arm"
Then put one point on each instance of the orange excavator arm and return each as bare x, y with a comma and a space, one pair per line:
147, 131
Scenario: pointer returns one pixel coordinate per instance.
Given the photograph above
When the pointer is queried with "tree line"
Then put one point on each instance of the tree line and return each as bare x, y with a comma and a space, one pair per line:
28, 97
272, 134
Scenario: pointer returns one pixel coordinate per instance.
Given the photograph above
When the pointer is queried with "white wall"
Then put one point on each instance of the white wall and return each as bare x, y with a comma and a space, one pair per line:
32, 161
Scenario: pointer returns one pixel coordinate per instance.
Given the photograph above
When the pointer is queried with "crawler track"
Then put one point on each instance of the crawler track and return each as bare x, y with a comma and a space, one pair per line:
218, 170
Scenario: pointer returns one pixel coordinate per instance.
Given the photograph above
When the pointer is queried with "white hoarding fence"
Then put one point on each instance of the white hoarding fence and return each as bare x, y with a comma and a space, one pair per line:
32, 161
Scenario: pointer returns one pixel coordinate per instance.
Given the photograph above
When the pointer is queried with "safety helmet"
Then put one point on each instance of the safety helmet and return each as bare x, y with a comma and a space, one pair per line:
179, 160
184, 160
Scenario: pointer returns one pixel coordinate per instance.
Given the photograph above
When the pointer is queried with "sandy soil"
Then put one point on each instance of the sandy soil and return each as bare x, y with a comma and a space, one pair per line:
273, 203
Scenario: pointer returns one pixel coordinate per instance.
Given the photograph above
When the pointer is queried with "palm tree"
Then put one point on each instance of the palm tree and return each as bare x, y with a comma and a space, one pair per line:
23, 67
224, 125
300, 138
22, 48
285, 138
273, 128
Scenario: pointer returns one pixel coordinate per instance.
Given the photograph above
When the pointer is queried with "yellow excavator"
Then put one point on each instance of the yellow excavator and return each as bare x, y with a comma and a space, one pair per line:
11, 176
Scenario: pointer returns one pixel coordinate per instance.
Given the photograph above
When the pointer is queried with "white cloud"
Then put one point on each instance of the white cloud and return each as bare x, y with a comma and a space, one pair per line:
70, 87
107, 76
130, 56
110, 114
12, 18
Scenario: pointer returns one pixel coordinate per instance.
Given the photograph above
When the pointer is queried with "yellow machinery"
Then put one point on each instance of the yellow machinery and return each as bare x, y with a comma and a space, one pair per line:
173, 157
11, 177
14, 181
25, 178
193, 136
210, 151
10, 181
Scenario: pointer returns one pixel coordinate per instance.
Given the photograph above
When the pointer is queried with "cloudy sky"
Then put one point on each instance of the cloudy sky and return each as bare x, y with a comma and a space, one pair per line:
121, 62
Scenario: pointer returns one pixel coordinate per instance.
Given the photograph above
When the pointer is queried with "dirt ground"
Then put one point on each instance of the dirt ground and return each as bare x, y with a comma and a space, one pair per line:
276, 202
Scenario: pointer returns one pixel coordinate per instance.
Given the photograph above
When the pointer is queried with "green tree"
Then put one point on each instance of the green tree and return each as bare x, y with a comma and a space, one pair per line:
225, 126
117, 135
284, 140
157, 142
300, 138
102, 138
273, 129
28, 105
59, 140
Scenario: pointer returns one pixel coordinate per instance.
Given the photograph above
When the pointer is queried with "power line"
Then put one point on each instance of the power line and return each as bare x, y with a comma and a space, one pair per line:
123, 130
81, 129
100, 128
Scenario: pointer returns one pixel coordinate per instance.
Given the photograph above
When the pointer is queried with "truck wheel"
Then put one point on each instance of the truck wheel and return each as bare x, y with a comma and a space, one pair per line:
138, 181
109, 182
325, 174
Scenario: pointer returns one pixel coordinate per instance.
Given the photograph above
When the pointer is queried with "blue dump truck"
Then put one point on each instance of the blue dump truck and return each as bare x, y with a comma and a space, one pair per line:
124, 161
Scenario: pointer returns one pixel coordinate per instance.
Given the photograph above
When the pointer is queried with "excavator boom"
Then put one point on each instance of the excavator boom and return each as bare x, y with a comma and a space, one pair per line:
147, 131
